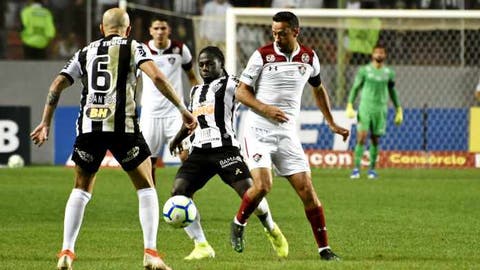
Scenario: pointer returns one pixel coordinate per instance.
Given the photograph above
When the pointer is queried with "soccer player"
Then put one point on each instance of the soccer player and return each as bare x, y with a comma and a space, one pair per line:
376, 82
108, 120
160, 120
271, 85
215, 150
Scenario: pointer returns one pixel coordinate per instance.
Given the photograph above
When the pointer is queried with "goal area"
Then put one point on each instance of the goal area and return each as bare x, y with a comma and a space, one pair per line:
434, 54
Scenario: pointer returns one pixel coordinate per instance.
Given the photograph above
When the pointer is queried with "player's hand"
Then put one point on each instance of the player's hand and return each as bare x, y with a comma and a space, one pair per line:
274, 113
399, 116
175, 147
189, 121
349, 111
340, 131
40, 134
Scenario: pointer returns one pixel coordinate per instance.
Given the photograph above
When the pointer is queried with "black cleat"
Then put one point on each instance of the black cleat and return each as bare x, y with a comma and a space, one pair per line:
236, 237
328, 255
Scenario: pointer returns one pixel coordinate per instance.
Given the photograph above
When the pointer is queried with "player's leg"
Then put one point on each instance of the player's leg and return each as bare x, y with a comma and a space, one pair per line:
194, 173
363, 123
378, 129
152, 130
302, 183
171, 127
87, 157
133, 153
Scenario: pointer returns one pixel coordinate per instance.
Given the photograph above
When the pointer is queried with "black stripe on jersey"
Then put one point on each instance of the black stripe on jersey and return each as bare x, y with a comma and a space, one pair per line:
122, 74
203, 96
102, 50
220, 112
82, 59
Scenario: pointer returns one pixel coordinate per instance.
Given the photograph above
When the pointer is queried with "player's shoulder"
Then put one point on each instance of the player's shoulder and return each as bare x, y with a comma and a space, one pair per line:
266, 49
305, 55
176, 47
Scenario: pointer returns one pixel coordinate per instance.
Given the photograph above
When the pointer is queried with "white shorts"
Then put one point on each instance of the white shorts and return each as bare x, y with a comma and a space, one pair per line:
280, 147
159, 131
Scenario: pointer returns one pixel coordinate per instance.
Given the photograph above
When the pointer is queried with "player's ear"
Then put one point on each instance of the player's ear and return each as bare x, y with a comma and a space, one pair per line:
296, 31
127, 32
101, 29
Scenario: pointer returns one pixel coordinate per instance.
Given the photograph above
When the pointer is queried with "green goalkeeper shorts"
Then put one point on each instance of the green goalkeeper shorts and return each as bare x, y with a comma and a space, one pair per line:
375, 122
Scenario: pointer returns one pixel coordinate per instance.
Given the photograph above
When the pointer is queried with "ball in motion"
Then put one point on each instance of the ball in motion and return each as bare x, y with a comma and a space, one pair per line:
15, 161
179, 211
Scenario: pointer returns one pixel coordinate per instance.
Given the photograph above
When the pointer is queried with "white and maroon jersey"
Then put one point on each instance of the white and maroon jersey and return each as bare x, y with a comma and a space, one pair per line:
107, 68
279, 79
171, 61
214, 107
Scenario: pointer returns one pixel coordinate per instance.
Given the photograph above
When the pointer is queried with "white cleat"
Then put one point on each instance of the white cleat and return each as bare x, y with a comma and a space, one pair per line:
65, 260
151, 261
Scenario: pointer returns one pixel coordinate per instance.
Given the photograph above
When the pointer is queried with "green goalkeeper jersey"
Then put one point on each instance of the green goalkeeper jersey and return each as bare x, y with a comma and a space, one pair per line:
376, 85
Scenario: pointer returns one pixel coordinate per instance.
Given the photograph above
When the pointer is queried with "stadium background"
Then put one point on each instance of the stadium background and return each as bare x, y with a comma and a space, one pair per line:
436, 62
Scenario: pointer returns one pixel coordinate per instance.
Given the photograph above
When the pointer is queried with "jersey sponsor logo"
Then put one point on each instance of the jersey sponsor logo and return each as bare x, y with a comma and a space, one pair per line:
270, 68
108, 43
171, 60
257, 157
305, 58
98, 113
230, 161
204, 110
270, 58
131, 154
141, 51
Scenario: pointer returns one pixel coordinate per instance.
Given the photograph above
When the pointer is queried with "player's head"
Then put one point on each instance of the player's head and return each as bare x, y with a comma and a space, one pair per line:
160, 29
379, 53
285, 30
115, 21
211, 63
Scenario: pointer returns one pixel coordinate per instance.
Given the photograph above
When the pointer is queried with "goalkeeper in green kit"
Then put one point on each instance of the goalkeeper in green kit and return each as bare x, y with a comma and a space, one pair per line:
377, 83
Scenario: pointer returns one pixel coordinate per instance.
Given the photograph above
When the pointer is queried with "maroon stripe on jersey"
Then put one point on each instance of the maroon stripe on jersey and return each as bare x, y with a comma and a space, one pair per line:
305, 55
176, 47
269, 55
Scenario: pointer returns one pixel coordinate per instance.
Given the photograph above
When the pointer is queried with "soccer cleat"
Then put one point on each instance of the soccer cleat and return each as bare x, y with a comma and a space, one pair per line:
201, 251
278, 240
65, 260
236, 237
372, 174
355, 174
151, 261
328, 255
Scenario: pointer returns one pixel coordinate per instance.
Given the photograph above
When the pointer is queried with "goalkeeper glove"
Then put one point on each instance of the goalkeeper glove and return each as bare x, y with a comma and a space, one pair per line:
350, 112
399, 116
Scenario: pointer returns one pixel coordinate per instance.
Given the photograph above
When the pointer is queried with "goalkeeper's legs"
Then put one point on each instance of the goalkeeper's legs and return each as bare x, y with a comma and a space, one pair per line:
358, 153
373, 150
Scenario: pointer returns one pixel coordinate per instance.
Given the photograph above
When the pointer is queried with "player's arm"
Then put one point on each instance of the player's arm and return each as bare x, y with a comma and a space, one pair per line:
323, 103
176, 145
161, 82
40, 134
245, 95
394, 97
357, 85
192, 77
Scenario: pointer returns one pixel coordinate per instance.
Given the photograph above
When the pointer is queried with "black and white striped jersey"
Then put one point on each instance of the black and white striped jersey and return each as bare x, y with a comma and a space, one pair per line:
214, 106
107, 69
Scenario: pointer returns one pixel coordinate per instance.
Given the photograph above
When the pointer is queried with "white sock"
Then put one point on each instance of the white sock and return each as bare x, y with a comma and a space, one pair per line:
264, 214
148, 213
195, 231
73, 217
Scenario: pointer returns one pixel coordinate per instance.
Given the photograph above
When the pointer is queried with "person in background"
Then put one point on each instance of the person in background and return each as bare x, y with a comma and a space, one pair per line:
38, 30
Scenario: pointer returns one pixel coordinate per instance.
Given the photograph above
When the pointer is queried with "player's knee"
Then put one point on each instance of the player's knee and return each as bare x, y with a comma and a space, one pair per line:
180, 187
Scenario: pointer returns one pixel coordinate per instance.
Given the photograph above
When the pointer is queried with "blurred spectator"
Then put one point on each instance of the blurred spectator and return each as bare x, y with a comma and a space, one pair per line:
362, 34
67, 46
3, 28
188, 7
38, 30
477, 92
284, 3
212, 26
250, 3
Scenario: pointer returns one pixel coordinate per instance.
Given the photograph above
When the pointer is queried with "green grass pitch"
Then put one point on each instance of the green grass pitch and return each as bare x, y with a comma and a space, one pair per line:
408, 219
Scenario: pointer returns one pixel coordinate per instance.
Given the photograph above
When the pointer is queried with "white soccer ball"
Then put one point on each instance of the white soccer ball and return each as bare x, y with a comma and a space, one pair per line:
179, 211
15, 161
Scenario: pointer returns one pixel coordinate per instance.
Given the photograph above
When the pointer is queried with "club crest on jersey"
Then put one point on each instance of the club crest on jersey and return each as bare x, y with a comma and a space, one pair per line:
270, 58
302, 69
97, 113
257, 157
171, 60
305, 58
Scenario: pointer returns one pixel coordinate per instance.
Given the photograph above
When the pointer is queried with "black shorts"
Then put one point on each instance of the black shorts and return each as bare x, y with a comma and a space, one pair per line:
202, 164
130, 150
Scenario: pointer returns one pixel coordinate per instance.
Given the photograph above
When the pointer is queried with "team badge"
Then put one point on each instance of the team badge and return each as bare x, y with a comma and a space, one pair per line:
302, 69
305, 58
176, 50
270, 58
257, 157
171, 60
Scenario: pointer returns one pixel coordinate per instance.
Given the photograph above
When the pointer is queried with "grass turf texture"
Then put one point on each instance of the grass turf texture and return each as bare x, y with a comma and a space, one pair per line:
408, 219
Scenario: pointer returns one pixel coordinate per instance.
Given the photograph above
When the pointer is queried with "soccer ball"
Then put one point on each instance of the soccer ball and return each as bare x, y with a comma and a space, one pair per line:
179, 211
15, 161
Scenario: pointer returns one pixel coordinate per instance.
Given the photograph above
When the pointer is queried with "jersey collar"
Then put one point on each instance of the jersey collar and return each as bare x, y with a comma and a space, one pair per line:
289, 59
152, 47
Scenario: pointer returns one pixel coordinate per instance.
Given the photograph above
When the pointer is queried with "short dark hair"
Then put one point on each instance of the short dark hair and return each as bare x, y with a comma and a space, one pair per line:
215, 51
379, 45
288, 17
160, 18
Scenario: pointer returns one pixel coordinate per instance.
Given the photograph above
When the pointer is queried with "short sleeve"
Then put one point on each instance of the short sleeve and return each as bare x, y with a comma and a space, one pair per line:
186, 55
253, 69
72, 68
140, 53
315, 65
